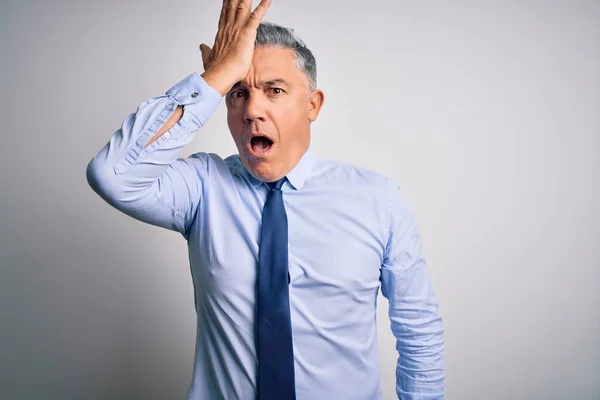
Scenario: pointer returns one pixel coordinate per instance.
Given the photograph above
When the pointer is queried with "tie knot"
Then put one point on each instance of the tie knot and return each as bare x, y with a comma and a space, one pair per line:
277, 184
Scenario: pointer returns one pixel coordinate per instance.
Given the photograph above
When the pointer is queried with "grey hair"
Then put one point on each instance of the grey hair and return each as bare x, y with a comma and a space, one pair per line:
270, 34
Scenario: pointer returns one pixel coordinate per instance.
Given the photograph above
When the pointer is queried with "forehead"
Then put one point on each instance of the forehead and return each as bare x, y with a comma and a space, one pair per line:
270, 63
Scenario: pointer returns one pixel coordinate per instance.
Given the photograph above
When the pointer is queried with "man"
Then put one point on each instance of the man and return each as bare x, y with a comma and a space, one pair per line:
287, 252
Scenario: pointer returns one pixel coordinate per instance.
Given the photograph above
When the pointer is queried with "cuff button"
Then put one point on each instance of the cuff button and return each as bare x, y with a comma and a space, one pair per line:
195, 94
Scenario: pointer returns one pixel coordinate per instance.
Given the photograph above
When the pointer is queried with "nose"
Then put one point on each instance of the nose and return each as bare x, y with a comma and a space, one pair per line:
255, 109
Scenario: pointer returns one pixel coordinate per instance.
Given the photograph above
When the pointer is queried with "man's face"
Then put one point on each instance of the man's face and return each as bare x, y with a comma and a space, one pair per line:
269, 114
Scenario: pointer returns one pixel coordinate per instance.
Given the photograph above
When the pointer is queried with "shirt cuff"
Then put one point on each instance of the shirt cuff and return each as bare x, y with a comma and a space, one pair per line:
198, 97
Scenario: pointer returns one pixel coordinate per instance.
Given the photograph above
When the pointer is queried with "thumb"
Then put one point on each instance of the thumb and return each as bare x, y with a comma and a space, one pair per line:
205, 50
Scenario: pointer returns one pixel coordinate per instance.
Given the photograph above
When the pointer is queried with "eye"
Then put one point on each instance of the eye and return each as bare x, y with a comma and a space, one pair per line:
277, 90
234, 94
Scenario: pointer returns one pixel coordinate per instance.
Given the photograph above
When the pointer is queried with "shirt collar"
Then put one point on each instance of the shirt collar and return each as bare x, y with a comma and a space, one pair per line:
296, 177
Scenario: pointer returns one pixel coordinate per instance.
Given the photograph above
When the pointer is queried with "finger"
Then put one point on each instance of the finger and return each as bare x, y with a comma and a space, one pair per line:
257, 15
242, 11
223, 17
231, 10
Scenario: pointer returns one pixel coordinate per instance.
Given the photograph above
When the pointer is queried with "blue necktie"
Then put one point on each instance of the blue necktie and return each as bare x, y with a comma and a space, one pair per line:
274, 329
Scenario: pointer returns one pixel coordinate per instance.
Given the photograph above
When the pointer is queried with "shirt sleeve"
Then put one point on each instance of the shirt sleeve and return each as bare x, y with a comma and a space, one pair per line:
150, 183
413, 308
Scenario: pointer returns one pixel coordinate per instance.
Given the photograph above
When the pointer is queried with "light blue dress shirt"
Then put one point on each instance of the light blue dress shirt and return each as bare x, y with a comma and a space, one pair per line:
350, 233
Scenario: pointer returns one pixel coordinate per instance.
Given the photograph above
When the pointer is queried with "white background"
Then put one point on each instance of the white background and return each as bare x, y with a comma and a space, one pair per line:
486, 112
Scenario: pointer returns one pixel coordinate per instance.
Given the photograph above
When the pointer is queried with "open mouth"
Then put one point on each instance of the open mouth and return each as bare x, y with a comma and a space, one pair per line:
260, 145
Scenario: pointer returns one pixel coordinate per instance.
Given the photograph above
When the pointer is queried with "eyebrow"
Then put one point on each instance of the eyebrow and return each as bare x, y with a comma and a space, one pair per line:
270, 82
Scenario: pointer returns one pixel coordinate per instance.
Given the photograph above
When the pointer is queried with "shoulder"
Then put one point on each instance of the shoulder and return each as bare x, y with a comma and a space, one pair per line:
363, 182
212, 166
351, 175
208, 160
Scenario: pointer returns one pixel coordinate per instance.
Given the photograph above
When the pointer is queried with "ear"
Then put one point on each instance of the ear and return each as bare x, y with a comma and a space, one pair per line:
316, 98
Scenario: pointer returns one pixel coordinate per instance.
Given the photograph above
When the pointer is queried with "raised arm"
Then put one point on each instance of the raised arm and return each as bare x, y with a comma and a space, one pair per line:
149, 182
138, 171
413, 309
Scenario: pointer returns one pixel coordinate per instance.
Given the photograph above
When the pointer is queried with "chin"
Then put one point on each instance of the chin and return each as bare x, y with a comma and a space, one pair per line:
264, 174
260, 169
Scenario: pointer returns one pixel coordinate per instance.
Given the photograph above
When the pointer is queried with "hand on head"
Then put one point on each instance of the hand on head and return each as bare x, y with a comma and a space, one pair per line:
230, 58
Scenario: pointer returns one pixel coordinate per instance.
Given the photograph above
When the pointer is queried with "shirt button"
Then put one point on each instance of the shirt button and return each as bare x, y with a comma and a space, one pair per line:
195, 94
167, 135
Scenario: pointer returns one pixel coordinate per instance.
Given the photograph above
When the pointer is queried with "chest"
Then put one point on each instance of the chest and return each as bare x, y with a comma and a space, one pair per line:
335, 248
